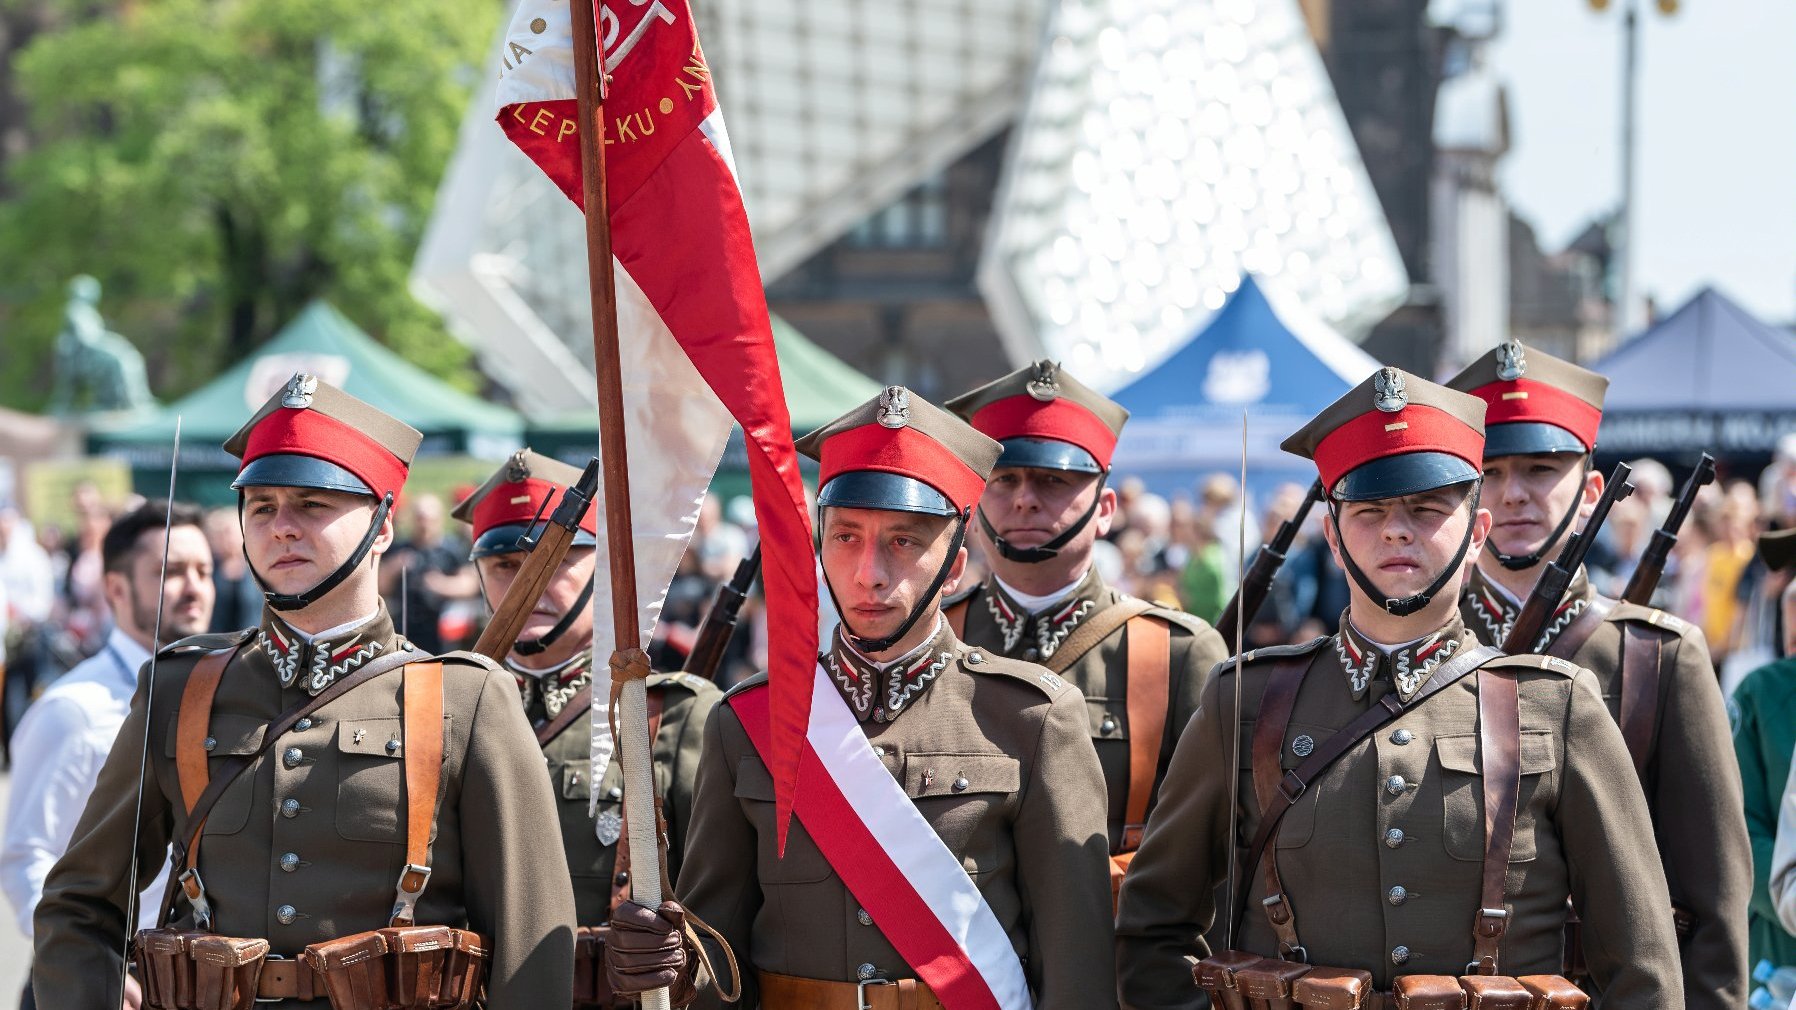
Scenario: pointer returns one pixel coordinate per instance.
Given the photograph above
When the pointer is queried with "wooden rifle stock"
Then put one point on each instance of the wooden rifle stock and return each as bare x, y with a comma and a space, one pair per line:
545, 554
1550, 588
1251, 594
720, 623
1645, 579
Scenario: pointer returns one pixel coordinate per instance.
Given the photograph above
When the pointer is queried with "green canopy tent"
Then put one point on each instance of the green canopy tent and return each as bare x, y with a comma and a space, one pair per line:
320, 340
820, 387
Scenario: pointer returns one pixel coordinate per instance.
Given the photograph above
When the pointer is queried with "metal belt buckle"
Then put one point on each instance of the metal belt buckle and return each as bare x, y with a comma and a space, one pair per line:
271, 999
411, 884
860, 992
195, 890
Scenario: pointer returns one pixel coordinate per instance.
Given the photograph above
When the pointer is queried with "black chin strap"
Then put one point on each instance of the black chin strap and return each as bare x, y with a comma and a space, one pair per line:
1036, 555
870, 646
535, 646
1521, 562
1409, 604
284, 602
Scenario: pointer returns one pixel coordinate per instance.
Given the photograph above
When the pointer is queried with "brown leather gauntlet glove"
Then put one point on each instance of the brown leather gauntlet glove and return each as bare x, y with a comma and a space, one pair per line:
652, 949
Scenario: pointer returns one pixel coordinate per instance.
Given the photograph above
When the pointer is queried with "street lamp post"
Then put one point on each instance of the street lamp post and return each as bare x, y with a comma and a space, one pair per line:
1622, 231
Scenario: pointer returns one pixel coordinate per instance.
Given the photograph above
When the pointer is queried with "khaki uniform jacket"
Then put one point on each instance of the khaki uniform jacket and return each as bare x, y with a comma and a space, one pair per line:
308, 844
590, 836
1691, 777
1028, 826
1382, 856
1101, 674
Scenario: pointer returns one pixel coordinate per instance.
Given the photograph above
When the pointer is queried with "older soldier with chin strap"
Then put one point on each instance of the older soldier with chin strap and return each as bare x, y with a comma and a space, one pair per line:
1415, 808
552, 663
353, 822
1654, 669
1141, 667
948, 847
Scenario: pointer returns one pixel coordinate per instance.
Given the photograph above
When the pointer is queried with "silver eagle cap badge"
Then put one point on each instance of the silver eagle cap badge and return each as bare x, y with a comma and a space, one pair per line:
1388, 391
1044, 385
517, 469
300, 390
1511, 361
894, 407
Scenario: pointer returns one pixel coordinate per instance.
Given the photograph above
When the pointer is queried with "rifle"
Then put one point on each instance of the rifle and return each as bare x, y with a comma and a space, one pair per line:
1652, 561
1550, 589
546, 551
720, 622
1251, 594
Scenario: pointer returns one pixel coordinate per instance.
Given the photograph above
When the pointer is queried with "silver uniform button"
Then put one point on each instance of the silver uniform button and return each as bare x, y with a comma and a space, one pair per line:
960, 784
1399, 954
879, 751
614, 793
1398, 895
1108, 725
1393, 838
210, 743
289, 808
292, 756
1402, 737
303, 724
975, 658
866, 972
392, 746
1032, 655
1395, 785
289, 861
863, 918
286, 914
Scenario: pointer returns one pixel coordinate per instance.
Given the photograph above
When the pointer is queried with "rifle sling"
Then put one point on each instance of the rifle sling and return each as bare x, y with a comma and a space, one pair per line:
1295, 782
185, 854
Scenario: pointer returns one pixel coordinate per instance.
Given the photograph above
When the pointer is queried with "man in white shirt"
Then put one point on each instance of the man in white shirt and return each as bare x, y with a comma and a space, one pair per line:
65, 736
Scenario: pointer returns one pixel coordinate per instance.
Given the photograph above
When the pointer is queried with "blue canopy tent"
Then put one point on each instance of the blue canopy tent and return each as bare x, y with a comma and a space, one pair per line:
1709, 377
1276, 363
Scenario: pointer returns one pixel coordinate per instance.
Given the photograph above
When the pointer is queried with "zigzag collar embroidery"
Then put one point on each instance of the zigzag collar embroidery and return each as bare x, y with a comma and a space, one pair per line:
1497, 613
553, 687
315, 665
881, 695
1051, 627
1407, 667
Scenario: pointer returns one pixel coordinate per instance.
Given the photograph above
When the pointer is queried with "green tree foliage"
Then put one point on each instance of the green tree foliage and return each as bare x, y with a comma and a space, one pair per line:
219, 163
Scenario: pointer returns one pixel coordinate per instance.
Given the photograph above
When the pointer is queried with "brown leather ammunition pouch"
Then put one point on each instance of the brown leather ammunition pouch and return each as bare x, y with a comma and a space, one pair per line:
1495, 992
401, 968
1429, 992
1553, 992
592, 989
1216, 976
1267, 984
191, 970
1334, 989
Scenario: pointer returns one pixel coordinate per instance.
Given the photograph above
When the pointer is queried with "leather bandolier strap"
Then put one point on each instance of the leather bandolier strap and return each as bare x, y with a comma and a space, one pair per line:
1148, 643
422, 709
1642, 651
1499, 755
1582, 627
789, 992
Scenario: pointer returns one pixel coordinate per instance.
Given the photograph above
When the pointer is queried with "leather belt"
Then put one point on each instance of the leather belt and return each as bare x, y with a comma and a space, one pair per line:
789, 992
284, 978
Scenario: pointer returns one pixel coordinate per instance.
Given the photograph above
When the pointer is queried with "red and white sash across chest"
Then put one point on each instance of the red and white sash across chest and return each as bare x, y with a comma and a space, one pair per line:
891, 860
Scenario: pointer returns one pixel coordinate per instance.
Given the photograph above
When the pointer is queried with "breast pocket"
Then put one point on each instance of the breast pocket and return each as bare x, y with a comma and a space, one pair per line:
370, 779
966, 799
803, 862
1462, 793
1109, 719
1299, 824
231, 735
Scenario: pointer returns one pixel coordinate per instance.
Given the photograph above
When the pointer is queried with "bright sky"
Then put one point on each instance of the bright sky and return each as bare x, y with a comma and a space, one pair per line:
1715, 170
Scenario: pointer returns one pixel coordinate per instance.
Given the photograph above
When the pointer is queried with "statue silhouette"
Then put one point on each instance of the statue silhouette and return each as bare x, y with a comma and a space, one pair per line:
96, 370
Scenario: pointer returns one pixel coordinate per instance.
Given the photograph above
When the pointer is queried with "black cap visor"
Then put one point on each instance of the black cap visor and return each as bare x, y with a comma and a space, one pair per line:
874, 489
1047, 454
1405, 474
503, 539
293, 470
1525, 438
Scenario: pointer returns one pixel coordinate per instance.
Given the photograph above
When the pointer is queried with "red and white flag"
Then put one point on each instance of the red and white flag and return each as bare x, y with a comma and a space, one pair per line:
688, 286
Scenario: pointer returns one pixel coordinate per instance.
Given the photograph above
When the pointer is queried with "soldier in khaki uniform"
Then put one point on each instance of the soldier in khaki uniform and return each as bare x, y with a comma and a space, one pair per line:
984, 797
552, 663
1378, 865
1140, 667
309, 844
1654, 669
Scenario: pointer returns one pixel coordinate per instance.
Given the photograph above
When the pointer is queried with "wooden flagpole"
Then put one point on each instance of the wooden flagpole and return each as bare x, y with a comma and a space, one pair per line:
633, 745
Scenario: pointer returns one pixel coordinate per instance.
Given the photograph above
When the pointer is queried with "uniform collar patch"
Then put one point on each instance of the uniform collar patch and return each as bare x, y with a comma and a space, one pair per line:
1495, 612
545, 693
1046, 630
315, 665
882, 695
1407, 667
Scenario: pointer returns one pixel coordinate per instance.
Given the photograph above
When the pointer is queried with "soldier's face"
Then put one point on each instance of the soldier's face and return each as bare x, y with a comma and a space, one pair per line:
880, 563
499, 571
186, 590
296, 536
1029, 506
1528, 495
1402, 544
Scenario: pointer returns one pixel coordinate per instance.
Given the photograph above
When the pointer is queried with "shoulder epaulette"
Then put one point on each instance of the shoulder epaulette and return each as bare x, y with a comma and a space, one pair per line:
758, 680
680, 679
1552, 664
206, 643
1625, 611
1190, 622
1040, 677
1283, 651
468, 659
